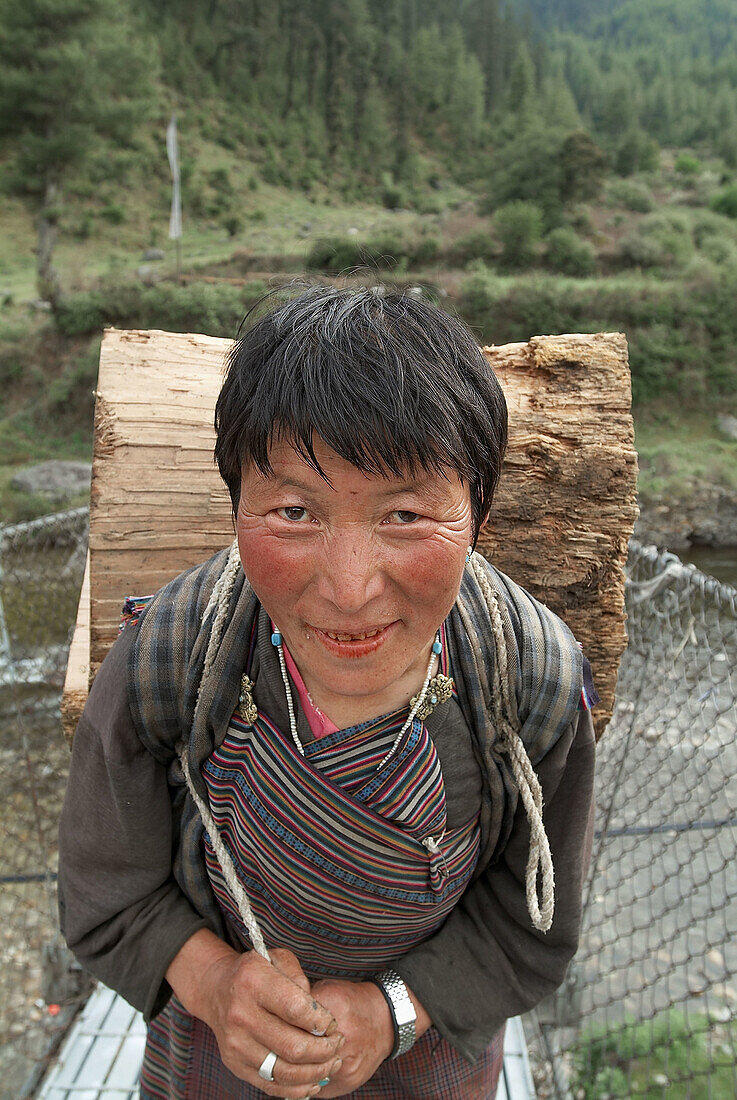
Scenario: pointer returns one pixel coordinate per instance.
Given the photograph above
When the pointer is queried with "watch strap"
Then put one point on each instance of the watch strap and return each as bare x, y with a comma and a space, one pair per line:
402, 1010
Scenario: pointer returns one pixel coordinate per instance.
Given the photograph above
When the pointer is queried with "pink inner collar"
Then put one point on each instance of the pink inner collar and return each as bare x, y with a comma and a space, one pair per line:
320, 724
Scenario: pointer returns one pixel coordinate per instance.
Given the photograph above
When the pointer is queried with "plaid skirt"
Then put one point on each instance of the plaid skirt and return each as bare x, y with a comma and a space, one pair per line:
183, 1063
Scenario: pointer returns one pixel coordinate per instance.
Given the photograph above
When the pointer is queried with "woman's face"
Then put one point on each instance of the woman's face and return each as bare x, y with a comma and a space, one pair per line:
357, 575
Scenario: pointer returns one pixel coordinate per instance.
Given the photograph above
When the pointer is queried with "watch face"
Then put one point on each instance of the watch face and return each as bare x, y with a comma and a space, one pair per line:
404, 1012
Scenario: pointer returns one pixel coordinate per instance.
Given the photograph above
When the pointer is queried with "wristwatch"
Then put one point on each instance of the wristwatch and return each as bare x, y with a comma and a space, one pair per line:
401, 1008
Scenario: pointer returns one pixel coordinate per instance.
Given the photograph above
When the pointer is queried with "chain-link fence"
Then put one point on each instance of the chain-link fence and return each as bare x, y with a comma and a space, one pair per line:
650, 1006
41, 567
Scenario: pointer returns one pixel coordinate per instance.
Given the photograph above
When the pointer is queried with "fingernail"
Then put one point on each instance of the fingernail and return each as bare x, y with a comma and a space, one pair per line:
341, 1043
335, 1066
331, 1028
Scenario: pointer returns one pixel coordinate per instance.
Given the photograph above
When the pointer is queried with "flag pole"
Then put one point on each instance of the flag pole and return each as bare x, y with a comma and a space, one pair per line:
175, 218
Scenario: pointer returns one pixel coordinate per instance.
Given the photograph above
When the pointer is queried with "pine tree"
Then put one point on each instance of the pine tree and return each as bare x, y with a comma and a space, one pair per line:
68, 75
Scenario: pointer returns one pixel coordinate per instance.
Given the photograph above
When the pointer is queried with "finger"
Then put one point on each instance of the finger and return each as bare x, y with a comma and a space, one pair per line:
245, 1057
250, 1037
283, 998
293, 1045
287, 963
296, 1078
304, 1080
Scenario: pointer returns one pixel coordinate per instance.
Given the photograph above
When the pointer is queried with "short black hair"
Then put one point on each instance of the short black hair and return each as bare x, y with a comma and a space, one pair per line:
390, 382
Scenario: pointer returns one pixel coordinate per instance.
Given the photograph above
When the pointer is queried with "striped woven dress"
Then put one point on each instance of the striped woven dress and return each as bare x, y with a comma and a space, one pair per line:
347, 864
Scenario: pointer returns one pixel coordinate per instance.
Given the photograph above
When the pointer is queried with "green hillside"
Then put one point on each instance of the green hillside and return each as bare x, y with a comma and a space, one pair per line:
540, 167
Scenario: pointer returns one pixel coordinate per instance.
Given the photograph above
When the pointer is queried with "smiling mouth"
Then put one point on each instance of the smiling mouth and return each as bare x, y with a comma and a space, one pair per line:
356, 643
353, 637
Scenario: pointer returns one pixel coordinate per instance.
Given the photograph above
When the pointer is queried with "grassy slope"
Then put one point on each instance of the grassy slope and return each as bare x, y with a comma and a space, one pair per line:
47, 379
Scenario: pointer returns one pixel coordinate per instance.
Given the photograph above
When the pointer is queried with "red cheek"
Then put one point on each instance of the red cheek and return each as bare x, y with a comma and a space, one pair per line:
277, 568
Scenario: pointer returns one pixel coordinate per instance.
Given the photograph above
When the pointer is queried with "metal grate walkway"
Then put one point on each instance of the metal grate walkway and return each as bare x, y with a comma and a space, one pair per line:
101, 1056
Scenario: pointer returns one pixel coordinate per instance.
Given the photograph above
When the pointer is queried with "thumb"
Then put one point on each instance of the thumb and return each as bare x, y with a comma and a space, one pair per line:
287, 963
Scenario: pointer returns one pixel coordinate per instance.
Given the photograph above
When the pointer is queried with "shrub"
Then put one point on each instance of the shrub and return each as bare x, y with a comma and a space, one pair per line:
72, 390
663, 239
479, 291
425, 251
390, 251
706, 225
80, 313
519, 227
233, 224
427, 204
681, 335
725, 201
568, 253
393, 197
334, 254
113, 213
479, 244
687, 164
580, 219
528, 168
636, 152
639, 250
82, 229
631, 195
197, 307
219, 180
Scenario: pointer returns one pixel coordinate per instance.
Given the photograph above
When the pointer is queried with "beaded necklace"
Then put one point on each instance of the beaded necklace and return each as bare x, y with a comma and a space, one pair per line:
437, 649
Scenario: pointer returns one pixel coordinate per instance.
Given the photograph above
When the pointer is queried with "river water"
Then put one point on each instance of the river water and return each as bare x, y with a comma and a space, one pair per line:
715, 562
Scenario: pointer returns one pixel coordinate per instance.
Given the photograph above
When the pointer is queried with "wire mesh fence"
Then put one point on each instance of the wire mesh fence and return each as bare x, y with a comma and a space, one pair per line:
649, 1006
41, 567
650, 1003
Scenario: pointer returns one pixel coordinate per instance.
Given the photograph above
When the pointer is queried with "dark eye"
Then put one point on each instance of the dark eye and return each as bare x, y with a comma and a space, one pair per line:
403, 517
294, 513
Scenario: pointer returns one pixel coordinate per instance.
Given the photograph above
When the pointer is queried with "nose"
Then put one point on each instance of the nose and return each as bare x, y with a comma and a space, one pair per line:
352, 574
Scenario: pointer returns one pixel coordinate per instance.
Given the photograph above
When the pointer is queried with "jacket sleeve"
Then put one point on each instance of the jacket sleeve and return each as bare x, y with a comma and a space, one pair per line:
121, 911
487, 962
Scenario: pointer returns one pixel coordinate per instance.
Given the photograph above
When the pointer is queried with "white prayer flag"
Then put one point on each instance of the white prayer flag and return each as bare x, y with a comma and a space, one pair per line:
175, 219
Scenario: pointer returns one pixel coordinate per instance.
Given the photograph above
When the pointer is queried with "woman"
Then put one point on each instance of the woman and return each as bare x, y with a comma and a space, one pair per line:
320, 744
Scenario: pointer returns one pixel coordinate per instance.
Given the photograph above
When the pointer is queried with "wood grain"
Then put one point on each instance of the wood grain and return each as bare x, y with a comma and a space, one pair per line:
77, 680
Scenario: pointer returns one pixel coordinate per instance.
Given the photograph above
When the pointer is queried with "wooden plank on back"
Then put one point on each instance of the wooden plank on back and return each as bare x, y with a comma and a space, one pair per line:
158, 504
76, 682
560, 524
566, 504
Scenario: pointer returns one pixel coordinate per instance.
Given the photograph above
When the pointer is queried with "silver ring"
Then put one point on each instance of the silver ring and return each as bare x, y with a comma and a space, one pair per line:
266, 1069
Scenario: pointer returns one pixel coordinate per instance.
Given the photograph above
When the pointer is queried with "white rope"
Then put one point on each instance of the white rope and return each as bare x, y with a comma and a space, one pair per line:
226, 864
220, 598
539, 859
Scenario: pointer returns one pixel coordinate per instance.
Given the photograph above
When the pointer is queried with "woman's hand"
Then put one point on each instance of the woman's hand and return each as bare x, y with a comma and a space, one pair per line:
254, 1007
363, 1017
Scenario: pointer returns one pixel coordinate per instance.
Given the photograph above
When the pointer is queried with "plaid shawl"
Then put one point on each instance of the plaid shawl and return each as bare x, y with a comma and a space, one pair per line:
545, 668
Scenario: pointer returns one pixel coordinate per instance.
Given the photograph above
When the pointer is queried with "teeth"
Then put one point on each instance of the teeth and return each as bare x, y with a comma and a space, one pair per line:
352, 637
